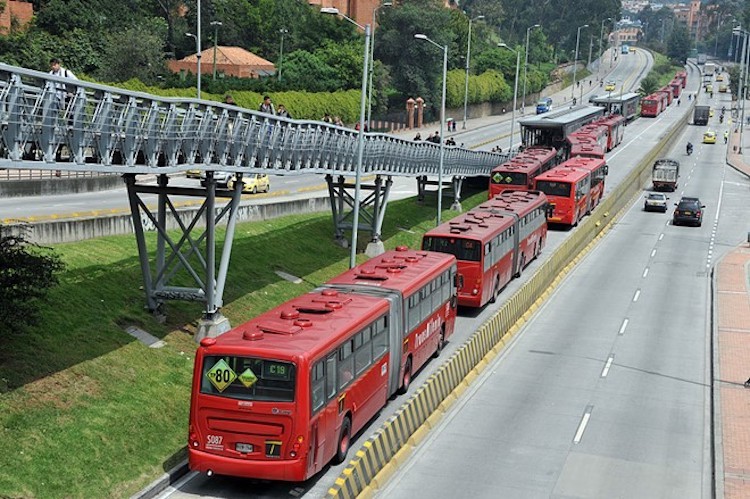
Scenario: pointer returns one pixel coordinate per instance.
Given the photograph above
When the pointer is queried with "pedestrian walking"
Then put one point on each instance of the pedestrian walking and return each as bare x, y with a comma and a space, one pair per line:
266, 106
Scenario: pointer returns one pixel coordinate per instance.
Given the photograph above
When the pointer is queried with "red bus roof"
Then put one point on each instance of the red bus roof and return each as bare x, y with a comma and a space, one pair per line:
403, 269
304, 326
542, 153
590, 164
518, 166
562, 173
518, 202
477, 224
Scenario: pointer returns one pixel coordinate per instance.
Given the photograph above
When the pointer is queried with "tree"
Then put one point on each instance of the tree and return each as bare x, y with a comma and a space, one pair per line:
649, 85
678, 46
135, 52
27, 272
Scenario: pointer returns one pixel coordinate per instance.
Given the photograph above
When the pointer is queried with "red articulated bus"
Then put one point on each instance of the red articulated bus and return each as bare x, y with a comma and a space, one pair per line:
493, 243
587, 142
652, 106
676, 86
682, 75
666, 90
615, 124
281, 395
519, 172
598, 169
581, 148
568, 191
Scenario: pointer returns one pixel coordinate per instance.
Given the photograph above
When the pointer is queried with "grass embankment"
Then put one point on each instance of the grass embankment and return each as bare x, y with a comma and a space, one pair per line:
86, 410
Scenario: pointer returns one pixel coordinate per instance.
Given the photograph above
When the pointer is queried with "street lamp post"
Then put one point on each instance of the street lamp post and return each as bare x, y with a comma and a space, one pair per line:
216, 25
525, 65
741, 94
282, 31
466, 80
575, 61
372, 61
361, 141
515, 95
198, 55
444, 48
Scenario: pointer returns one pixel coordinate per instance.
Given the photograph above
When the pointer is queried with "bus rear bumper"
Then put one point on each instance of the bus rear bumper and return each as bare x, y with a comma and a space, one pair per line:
282, 470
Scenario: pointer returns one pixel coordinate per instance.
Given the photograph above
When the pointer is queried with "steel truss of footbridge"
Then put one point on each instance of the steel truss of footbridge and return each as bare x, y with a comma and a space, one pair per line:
56, 123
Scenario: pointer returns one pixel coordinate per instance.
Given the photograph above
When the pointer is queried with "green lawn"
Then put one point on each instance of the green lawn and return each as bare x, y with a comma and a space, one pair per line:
86, 410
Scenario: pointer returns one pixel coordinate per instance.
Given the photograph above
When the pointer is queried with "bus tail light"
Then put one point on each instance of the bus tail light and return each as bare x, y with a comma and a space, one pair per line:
297, 446
192, 437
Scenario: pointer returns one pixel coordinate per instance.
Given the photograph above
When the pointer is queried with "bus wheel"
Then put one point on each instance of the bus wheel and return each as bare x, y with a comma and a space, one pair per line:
407, 378
344, 438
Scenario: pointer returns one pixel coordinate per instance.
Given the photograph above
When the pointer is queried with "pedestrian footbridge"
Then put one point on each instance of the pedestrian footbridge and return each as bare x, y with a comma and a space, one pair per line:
55, 123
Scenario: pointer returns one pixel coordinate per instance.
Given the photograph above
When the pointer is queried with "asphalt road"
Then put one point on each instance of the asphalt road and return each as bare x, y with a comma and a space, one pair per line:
640, 137
606, 391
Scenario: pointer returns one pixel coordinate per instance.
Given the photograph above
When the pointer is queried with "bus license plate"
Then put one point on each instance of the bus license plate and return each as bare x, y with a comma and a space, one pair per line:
244, 448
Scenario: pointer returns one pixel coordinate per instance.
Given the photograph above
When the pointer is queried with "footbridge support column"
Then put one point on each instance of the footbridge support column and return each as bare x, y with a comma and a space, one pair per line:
185, 266
372, 206
454, 185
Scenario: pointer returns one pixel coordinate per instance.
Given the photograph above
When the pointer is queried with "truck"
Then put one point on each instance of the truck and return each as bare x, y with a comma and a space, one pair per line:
701, 58
709, 69
700, 115
665, 173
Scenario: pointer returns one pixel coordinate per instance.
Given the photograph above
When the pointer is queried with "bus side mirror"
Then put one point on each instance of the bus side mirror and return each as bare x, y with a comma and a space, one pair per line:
458, 281
606, 169
549, 210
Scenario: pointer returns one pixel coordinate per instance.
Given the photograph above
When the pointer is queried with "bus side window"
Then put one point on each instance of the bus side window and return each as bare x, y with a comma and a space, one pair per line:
318, 385
363, 350
345, 364
331, 376
380, 337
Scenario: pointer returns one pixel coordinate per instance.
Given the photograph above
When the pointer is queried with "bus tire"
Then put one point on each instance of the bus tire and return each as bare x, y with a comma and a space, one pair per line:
344, 439
406, 380
255, 190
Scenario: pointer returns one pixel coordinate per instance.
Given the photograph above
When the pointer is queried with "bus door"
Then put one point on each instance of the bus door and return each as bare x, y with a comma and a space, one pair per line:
516, 245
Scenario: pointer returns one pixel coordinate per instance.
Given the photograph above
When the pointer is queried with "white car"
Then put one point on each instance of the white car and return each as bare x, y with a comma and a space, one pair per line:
656, 201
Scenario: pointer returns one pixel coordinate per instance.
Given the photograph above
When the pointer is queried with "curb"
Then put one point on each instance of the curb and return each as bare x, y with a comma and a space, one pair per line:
157, 486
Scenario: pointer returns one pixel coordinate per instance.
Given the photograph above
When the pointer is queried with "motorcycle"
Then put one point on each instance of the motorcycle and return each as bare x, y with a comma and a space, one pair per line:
689, 149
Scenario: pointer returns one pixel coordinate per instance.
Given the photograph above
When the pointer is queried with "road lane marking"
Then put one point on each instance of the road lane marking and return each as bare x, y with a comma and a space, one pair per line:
610, 359
583, 423
624, 326
645, 272
661, 236
653, 252
637, 295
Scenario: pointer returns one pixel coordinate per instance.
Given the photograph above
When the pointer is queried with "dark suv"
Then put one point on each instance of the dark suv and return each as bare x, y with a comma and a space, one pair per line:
688, 211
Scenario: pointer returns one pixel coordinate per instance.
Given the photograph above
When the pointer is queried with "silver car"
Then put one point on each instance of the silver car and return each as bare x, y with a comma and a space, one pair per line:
656, 201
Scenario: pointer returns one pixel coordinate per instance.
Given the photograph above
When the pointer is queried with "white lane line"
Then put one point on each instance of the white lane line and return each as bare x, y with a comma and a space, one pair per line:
583, 423
653, 252
637, 295
624, 326
610, 359
645, 272
176, 487
661, 236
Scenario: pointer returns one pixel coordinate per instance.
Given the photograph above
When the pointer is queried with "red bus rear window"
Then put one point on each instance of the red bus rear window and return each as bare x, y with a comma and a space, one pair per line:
463, 249
248, 378
509, 178
554, 188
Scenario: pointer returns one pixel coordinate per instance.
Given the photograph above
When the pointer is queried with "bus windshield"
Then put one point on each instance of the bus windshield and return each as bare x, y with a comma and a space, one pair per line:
554, 188
248, 378
509, 178
463, 249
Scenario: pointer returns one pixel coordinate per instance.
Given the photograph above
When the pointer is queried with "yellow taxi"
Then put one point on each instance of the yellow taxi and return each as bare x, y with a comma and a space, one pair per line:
709, 88
719, 77
710, 112
632, 49
610, 86
723, 88
253, 183
709, 137
193, 173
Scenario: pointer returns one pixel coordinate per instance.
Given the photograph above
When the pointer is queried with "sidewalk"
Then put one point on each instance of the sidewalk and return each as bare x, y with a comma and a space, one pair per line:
731, 353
